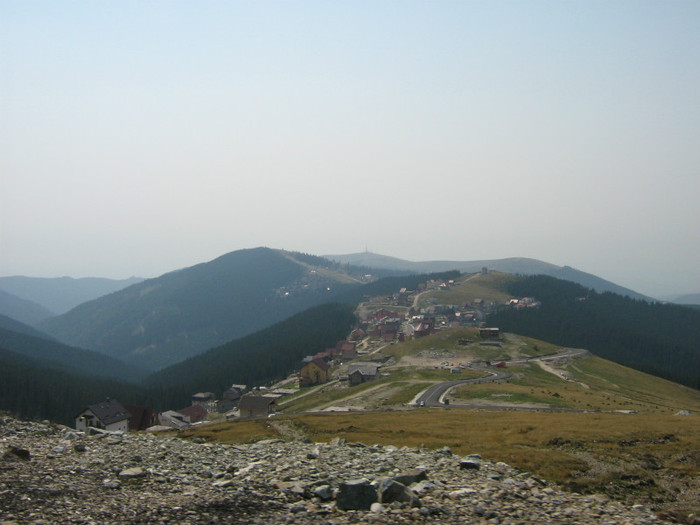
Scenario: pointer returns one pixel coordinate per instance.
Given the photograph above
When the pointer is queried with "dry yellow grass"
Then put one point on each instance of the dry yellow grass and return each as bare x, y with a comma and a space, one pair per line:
654, 459
232, 432
545, 443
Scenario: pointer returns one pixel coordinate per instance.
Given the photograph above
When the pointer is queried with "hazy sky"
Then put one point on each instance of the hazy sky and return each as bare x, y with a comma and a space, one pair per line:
141, 137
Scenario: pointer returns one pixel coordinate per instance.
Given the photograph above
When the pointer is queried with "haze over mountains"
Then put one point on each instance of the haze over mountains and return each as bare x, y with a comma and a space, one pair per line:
58, 295
22, 310
161, 321
514, 265
158, 322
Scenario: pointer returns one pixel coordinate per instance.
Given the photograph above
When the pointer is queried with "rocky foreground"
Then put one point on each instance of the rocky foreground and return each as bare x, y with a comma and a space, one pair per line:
52, 475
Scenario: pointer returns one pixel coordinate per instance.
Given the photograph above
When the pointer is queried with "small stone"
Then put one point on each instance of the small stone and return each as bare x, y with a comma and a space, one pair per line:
324, 492
111, 484
470, 464
134, 472
377, 508
223, 483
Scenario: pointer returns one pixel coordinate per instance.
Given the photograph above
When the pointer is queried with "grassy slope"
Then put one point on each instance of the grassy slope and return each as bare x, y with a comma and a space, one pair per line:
489, 287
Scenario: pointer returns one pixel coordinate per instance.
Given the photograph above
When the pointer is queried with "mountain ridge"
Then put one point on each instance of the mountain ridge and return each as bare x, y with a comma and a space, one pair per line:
164, 320
30, 343
23, 310
61, 294
513, 265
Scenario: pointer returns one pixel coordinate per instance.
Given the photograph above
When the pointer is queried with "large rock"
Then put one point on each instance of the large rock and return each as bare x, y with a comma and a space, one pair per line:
390, 491
14, 452
411, 476
356, 494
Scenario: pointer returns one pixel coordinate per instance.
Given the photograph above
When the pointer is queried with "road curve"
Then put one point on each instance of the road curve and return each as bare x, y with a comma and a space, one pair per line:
431, 396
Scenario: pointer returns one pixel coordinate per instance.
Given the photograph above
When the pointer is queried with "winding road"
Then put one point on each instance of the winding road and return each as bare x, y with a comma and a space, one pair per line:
434, 395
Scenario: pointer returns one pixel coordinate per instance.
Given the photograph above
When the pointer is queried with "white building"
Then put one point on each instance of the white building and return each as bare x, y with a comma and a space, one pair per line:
109, 415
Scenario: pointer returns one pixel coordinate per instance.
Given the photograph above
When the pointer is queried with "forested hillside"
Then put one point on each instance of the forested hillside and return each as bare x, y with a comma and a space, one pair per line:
661, 339
39, 389
67, 358
60, 294
163, 321
268, 355
22, 309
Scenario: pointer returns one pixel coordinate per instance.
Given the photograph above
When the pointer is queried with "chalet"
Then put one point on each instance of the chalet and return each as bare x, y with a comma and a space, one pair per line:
109, 415
358, 334
359, 373
389, 335
256, 406
230, 398
387, 314
141, 417
234, 392
173, 419
349, 354
202, 398
375, 331
344, 346
314, 372
422, 328
194, 413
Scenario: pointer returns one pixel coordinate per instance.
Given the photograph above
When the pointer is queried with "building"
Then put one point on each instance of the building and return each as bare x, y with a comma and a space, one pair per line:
230, 398
359, 373
173, 419
256, 406
314, 372
109, 415
141, 417
203, 398
194, 413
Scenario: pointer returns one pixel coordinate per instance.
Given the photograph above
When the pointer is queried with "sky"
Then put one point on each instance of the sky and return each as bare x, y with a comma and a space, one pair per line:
141, 137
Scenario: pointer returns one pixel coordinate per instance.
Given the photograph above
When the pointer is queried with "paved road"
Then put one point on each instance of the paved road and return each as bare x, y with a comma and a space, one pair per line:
431, 397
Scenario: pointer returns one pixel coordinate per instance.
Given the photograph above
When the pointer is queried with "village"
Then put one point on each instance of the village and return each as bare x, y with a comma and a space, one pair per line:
384, 320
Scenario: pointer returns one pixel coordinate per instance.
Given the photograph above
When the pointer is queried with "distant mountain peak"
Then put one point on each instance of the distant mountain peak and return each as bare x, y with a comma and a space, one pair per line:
513, 265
